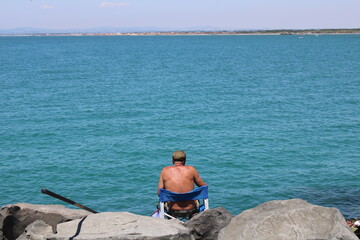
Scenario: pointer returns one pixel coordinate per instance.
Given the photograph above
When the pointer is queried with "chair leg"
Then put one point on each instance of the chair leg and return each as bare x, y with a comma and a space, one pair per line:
206, 203
162, 210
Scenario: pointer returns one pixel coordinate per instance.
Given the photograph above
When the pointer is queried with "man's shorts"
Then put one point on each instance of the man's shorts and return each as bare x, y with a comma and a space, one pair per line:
184, 213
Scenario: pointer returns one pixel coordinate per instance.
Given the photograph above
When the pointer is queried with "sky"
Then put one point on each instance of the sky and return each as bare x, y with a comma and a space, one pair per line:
177, 14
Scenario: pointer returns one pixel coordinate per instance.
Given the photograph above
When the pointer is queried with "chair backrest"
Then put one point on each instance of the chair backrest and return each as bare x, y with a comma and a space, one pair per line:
196, 194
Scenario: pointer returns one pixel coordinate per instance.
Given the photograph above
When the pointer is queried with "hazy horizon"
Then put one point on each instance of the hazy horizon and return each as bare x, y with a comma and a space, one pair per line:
185, 14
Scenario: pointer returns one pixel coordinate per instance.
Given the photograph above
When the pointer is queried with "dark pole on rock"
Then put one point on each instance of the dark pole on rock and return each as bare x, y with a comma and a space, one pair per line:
52, 194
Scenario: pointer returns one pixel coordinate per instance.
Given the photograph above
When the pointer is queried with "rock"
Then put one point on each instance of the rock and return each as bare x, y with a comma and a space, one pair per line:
207, 224
16, 217
288, 220
36, 231
120, 225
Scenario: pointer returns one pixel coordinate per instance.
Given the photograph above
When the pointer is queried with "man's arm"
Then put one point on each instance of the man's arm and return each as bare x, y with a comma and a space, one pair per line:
197, 179
161, 183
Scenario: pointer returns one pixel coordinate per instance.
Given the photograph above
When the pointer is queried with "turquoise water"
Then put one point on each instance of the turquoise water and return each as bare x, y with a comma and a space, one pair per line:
95, 119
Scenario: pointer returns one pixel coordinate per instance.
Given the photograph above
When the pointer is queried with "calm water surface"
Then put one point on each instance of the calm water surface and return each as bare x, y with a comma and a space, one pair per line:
95, 119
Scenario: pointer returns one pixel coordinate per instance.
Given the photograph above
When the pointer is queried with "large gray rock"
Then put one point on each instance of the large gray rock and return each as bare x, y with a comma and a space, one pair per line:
119, 225
288, 220
16, 217
207, 224
36, 231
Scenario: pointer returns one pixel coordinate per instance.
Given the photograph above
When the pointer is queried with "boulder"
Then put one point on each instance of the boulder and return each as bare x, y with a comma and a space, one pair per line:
288, 220
119, 225
16, 217
207, 224
36, 231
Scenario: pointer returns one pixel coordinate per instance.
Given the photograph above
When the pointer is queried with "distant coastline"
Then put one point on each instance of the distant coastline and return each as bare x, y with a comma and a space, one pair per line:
185, 33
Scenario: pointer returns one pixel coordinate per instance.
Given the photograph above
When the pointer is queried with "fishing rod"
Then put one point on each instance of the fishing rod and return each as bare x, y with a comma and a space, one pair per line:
52, 194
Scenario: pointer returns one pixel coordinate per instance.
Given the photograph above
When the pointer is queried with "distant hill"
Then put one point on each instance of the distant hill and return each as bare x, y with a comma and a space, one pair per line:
106, 30
170, 31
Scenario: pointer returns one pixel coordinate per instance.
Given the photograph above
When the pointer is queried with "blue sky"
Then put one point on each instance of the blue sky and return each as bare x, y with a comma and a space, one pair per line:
225, 14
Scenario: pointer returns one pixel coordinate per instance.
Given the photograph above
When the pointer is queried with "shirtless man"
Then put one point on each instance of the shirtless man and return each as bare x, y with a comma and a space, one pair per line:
180, 179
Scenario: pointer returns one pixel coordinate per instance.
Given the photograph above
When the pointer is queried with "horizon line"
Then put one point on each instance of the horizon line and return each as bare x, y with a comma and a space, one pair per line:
331, 31
195, 28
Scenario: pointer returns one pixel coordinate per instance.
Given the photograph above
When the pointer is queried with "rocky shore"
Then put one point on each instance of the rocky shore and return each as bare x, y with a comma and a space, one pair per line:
279, 220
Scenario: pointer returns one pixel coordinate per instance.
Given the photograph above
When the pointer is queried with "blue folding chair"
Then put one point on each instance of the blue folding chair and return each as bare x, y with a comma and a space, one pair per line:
196, 194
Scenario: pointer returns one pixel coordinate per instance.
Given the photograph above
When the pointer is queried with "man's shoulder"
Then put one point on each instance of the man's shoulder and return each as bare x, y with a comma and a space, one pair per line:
190, 168
168, 168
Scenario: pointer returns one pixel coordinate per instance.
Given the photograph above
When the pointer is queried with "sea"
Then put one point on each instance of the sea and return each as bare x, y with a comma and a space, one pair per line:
96, 118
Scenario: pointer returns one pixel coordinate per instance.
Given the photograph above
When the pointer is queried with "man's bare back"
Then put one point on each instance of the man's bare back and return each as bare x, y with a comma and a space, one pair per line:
180, 179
